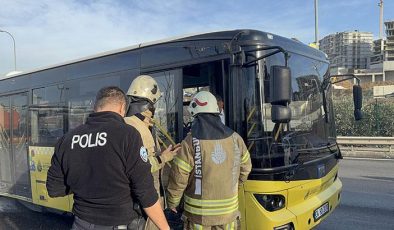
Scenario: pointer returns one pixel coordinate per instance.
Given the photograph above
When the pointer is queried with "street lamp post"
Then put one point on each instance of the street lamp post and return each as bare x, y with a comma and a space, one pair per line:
13, 39
316, 24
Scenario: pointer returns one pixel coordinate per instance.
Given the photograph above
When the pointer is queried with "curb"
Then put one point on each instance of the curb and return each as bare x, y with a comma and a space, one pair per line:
373, 155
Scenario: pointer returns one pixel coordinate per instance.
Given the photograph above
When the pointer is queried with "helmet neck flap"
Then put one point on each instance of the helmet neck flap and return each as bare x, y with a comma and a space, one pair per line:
208, 126
139, 105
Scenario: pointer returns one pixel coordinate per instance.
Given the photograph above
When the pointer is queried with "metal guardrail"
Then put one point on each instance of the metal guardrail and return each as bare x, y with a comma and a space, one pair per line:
371, 144
365, 140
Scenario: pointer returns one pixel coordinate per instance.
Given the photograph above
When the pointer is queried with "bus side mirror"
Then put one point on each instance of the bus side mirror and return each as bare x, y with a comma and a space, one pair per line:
358, 102
280, 85
280, 94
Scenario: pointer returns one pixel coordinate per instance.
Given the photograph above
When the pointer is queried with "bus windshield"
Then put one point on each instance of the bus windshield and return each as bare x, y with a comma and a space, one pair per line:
311, 131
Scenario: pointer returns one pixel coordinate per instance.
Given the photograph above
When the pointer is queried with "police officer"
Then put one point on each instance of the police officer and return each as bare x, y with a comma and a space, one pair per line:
143, 93
212, 164
103, 163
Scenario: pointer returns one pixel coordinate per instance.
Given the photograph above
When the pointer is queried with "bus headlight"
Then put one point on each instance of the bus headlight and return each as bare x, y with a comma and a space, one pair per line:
271, 202
285, 227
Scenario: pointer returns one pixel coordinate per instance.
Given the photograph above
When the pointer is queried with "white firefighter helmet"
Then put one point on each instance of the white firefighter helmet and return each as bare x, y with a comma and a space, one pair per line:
144, 86
203, 102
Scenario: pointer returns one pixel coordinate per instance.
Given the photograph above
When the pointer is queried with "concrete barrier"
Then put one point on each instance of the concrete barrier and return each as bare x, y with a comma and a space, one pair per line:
367, 147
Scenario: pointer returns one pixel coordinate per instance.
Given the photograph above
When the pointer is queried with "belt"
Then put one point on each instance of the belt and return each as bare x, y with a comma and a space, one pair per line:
78, 222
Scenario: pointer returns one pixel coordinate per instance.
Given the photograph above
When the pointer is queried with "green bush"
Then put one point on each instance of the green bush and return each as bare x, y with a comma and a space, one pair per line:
378, 115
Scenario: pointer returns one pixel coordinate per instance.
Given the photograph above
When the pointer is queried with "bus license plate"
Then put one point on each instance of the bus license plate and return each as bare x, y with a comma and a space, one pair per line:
318, 213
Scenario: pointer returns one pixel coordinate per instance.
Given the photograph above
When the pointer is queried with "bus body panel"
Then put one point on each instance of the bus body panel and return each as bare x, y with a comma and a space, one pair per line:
305, 210
304, 200
39, 163
299, 207
312, 188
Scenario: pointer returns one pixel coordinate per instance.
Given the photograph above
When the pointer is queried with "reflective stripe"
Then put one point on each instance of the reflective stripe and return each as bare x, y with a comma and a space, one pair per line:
155, 166
197, 227
211, 203
182, 164
197, 166
231, 226
174, 200
245, 157
198, 186
212, 211
236, 165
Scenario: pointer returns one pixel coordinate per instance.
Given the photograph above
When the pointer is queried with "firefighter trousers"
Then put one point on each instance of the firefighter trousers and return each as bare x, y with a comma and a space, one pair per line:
235, 225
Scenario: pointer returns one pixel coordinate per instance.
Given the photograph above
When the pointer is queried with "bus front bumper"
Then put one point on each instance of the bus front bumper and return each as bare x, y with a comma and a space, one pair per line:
299, 216
306, 211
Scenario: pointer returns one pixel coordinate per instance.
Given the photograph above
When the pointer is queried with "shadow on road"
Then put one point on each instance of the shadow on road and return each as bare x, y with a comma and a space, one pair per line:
14, 216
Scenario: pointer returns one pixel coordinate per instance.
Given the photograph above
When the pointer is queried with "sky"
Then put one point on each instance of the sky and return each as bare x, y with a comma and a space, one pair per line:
49, 32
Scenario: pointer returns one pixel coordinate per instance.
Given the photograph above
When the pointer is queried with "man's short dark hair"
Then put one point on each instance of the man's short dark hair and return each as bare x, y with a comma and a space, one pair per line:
109, 95
218, 98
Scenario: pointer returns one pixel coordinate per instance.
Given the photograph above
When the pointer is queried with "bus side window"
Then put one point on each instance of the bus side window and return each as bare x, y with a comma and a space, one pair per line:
81, 95
47, 115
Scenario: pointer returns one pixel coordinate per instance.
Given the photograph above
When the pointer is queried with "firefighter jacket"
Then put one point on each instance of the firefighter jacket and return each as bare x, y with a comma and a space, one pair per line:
142, 122
208, 171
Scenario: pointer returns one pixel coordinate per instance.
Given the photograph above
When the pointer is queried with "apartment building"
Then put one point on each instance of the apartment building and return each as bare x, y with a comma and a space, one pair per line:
389, 54
348, 50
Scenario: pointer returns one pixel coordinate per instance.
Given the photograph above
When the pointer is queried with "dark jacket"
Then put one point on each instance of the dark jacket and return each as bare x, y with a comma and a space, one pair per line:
104, 164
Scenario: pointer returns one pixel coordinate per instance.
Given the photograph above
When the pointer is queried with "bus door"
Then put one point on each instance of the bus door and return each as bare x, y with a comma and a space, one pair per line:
19, 105
209, 76
168, 106
178, 86
5, 146
167, 117
14, 169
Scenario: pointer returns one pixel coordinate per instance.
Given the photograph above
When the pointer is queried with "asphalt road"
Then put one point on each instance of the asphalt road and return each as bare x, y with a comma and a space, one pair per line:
15, 216
367, 196
367, 202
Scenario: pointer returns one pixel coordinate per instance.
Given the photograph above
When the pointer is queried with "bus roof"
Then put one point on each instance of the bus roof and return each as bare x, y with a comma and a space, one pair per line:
244, 35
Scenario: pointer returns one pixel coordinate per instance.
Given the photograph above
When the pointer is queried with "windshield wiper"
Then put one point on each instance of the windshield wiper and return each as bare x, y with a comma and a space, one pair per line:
317, 150
275, 170
291, 173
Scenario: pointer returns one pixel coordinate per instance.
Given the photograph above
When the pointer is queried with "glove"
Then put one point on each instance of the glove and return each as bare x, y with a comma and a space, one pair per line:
170, 153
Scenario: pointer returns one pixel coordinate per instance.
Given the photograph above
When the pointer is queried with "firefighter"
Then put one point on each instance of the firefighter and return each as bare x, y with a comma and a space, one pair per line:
213, 162
143, 93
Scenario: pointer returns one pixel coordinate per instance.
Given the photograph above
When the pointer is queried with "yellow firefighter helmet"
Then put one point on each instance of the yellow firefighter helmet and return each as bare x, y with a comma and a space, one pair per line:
203, 102
144, 86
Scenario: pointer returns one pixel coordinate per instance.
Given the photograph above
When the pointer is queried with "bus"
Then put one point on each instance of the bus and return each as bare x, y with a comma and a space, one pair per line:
276, 92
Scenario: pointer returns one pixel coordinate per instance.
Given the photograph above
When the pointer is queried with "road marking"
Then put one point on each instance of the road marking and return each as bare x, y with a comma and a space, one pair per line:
368, 159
